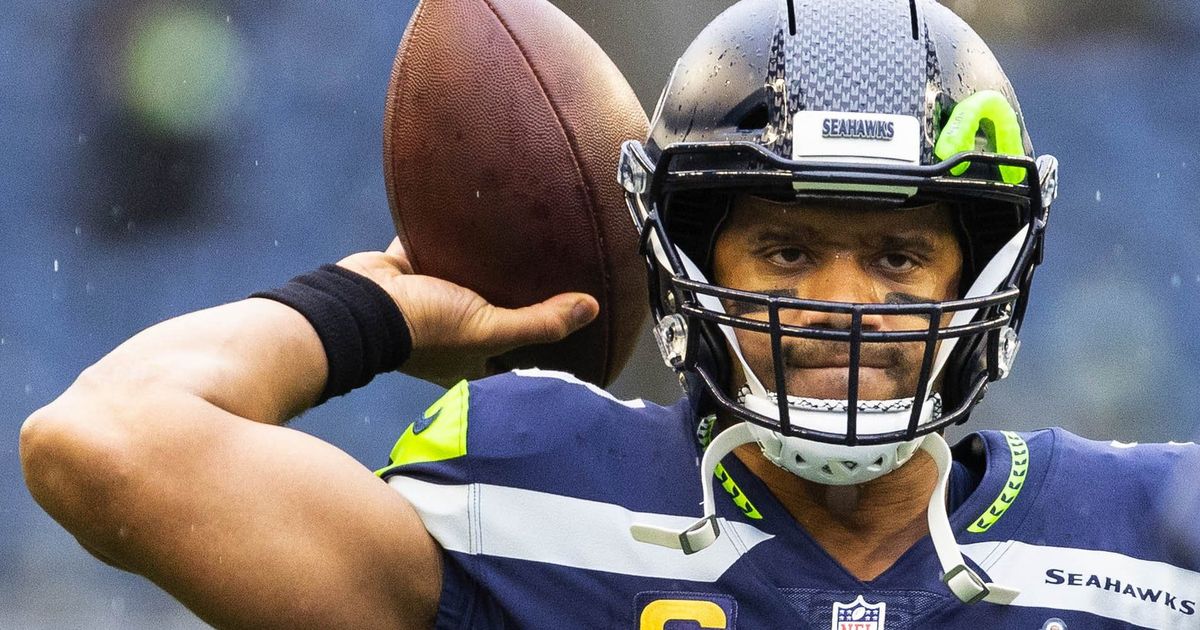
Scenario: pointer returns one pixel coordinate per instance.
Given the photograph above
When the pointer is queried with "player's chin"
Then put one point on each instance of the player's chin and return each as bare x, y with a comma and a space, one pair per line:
833, 383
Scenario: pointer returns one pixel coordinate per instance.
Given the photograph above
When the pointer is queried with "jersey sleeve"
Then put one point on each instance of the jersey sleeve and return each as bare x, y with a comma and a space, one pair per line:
491, 459
527, 428
1125, 497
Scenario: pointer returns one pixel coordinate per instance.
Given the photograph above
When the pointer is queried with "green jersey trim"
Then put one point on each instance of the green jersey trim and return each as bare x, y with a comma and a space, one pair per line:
1018, 469
440, 434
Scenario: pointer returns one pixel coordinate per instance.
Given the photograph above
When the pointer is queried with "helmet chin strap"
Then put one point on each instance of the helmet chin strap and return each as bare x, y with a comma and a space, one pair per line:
964, 582
704, 532
961, 579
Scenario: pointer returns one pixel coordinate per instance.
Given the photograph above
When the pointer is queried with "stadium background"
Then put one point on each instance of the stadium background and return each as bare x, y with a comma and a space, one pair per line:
130, 193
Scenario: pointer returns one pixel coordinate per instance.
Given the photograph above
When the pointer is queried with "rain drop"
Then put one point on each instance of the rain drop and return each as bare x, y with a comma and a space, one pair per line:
78, 230
1176, 281
81, 139
28, 389
277, 243
55, 265
1097, 196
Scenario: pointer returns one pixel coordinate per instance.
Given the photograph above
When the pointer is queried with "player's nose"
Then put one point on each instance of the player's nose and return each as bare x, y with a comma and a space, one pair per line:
840, 279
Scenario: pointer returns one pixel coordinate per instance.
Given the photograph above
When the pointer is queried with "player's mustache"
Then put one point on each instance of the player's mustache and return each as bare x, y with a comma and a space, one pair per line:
803, 353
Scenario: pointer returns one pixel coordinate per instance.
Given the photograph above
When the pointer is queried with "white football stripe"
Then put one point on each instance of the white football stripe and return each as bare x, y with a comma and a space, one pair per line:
1028, 568
483, 519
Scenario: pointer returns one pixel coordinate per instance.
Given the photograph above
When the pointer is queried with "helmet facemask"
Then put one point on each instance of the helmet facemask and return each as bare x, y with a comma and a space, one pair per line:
982, 323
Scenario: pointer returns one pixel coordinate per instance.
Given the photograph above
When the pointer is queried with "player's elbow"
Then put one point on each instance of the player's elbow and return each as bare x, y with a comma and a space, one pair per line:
76, 464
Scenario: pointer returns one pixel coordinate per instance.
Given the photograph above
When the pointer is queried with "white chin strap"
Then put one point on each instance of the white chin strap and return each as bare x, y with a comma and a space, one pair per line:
963, 581
705, 531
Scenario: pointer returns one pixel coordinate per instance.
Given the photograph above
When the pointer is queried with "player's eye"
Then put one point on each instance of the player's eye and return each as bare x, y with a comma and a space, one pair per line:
897, 262
788, 256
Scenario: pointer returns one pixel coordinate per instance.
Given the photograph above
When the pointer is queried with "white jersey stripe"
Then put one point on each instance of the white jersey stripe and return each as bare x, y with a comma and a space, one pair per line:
1142, 592
499, 521
566, 377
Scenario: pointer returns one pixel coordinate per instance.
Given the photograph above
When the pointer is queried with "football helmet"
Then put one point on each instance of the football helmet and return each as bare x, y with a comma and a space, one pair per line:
853, 104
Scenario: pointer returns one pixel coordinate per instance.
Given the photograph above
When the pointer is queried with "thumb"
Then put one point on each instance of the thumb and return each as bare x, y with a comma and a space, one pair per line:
545, 322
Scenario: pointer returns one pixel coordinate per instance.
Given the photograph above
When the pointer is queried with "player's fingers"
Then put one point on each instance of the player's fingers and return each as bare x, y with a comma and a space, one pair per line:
545, 322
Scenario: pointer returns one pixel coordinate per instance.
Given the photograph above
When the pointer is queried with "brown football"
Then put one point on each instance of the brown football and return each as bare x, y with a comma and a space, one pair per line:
502, 132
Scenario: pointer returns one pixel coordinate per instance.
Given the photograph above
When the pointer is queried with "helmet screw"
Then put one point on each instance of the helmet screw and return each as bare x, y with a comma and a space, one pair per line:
671, 335
630, 173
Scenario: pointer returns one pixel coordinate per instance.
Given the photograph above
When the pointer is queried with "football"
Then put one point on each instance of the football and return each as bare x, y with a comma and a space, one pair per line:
502, 132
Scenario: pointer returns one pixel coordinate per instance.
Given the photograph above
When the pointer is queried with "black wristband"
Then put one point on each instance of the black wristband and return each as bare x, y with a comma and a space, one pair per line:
360, 326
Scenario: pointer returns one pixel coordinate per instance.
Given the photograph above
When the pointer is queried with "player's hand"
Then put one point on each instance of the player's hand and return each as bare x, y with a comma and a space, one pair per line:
454, 330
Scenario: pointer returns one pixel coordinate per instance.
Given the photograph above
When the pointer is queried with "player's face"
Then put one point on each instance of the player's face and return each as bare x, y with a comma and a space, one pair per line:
838, 255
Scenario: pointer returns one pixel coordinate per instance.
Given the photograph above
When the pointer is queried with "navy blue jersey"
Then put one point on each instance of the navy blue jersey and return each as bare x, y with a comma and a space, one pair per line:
530, 481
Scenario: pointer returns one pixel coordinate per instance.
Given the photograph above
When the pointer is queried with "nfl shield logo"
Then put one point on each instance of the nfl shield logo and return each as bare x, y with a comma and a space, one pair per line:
858, 615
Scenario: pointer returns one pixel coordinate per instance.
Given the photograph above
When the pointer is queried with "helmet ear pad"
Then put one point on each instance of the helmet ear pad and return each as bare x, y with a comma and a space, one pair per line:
982, 228
964, 368
711, 354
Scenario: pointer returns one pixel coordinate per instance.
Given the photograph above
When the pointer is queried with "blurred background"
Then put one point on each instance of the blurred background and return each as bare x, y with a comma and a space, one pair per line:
160, 156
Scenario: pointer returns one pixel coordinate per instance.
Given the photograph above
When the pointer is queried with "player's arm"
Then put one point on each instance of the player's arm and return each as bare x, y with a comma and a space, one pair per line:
165, 459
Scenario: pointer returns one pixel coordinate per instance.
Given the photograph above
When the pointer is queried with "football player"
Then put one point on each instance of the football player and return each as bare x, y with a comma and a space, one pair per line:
841, 213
